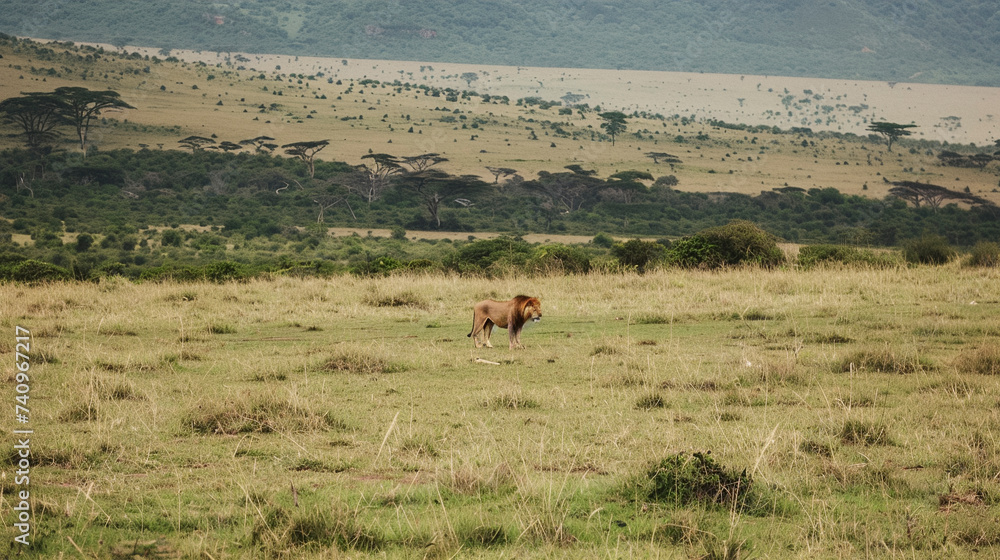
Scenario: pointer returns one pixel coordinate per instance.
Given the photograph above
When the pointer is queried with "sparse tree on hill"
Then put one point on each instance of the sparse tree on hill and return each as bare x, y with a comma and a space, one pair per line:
260, 144
657, 157
306, 151
891, 131
933, 195
196, 143
228, 146
84, 105
470, 77
424, 161
498, 171
614, 124
37, 114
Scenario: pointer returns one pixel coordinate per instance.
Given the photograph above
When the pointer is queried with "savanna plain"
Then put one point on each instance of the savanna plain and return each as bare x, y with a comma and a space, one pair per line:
837, 412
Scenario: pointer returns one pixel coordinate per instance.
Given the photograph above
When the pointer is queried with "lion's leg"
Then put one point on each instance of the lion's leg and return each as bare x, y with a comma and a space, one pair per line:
487, 331
515, 338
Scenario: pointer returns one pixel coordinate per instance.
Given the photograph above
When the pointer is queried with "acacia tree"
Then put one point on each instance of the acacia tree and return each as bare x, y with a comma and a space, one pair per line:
614, 124
498, 171
196, 143
373, 176
932, 195
37, 114
84, 105
260, 144
434, 187
424, 161
665, 157
891, 131
306, 151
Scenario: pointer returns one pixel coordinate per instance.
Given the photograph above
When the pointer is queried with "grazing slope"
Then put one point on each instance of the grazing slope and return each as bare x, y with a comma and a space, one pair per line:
945, 41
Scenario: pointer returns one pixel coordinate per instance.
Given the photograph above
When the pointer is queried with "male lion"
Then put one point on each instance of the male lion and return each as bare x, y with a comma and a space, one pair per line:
511, 315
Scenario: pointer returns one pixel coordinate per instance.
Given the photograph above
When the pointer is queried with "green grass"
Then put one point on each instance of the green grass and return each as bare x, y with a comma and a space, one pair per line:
372, 434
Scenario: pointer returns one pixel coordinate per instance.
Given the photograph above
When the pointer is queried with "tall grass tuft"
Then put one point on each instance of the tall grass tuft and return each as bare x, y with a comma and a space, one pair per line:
257, 414
356, 361
984, 360
858, 432
885, 359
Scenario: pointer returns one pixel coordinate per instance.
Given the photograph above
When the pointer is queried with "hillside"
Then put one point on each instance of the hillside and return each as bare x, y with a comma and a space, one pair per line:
949, 41
147, 196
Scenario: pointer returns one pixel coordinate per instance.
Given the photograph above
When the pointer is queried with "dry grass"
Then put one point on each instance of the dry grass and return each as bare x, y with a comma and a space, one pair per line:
372, 433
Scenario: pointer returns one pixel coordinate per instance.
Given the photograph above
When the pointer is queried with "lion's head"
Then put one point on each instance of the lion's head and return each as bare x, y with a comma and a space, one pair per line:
531, 308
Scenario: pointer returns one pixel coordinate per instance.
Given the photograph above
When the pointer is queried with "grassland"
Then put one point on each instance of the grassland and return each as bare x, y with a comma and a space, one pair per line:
312, 418
294, 99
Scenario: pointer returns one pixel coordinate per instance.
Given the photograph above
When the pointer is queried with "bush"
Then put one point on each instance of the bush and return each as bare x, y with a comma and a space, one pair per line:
84, 241
559, 259
739, 242
984, 253
742, 242
603, 240
638, 254
380, 266
497, 255
813, 255
929, 249
30, 270
683, 479
694, 252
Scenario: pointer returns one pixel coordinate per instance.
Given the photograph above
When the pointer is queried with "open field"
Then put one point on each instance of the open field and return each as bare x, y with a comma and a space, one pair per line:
309, 418
238, 97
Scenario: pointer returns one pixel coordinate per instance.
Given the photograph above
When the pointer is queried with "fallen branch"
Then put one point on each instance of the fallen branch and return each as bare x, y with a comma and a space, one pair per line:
482, 361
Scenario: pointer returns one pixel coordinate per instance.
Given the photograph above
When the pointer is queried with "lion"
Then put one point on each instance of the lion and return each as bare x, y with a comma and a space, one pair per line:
511, 315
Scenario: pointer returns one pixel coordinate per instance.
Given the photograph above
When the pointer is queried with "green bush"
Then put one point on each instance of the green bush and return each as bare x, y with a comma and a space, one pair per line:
559, 259
492, 256
742, 242
984, 253
603, 240
30, 270
814, 255
682, 479
694, 252
739, 242
638, 254
379, 266
929, 249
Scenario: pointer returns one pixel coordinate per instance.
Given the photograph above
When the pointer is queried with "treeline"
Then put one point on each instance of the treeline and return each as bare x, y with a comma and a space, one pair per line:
149, 208
953, 41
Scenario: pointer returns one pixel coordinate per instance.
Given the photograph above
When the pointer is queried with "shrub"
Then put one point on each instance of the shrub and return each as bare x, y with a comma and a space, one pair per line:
694, 252
603, 240
683, 479
498, 255
559, 259
638, 254
813, 255
380, 266
30, 270
984, 253
739, 242
84, 241
225, 271
398, 233
742, 242
929, 249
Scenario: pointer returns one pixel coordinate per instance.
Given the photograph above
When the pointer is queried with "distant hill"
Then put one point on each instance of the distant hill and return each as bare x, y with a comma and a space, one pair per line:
940, 41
